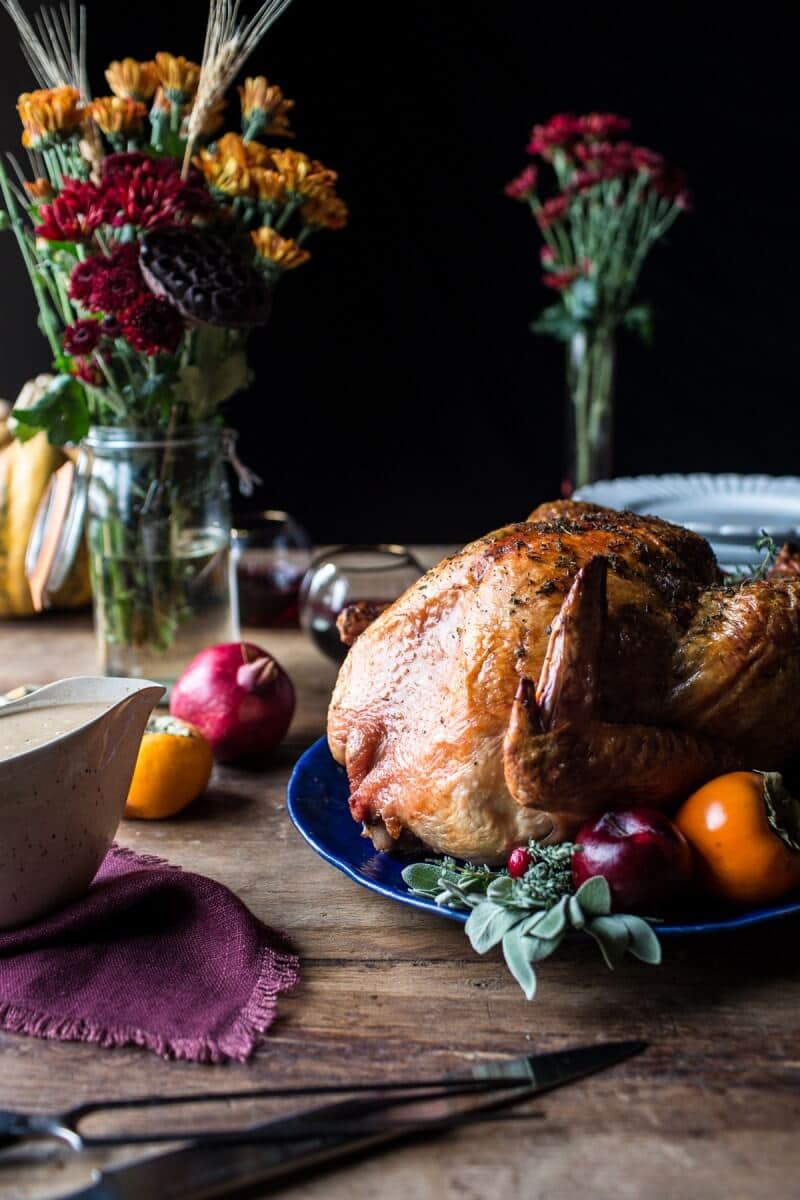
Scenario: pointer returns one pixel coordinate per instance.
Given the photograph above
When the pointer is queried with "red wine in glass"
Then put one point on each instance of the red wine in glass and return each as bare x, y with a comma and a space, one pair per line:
272, 554
268, 593
325, 635
345, 576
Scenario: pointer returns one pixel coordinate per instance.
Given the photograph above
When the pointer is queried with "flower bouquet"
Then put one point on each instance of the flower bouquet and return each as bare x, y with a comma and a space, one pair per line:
154, 242
613, 202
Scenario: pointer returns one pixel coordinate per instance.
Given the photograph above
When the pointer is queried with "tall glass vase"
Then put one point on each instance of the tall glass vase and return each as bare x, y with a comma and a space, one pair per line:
590, 407
159, 531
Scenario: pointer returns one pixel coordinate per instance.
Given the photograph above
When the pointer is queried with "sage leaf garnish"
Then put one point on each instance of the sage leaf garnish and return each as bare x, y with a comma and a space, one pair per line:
594, 897
488, 924
643, 944
518, 956
531, 915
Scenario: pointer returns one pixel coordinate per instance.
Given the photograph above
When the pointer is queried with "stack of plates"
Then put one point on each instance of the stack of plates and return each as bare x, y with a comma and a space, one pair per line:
731, 511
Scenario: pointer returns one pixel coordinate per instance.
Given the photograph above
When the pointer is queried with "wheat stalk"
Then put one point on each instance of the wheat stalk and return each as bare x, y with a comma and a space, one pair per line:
229, 42
54, 44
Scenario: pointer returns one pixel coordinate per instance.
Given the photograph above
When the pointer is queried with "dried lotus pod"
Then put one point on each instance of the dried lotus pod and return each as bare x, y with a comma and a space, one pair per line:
205, 278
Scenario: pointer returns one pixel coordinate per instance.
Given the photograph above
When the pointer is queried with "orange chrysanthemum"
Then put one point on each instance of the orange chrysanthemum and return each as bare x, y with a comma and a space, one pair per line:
39, 189
265, 109
247, 154
303, 176
132, 80
283, 253
48, 114
177, 75
267, 185
325, 211
240, 168
114, 115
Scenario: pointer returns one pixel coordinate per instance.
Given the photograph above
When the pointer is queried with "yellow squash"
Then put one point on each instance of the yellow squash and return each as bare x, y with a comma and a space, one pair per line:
25, 470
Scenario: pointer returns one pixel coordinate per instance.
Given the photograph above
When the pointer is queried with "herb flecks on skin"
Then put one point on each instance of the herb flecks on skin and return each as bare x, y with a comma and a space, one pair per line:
531, 915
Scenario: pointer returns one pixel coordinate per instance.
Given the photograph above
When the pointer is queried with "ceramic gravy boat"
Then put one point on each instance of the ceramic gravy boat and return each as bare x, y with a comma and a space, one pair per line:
62, 800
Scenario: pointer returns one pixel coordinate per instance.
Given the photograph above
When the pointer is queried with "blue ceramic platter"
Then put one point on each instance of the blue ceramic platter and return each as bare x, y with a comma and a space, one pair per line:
318, 806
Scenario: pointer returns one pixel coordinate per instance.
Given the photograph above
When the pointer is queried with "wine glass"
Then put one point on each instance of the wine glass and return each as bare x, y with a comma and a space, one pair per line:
344, 575
272, 553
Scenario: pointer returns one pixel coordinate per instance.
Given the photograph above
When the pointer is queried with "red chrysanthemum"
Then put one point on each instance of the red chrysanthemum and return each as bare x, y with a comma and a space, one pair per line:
83, 278
523, 186
671, 182
552, 210
149, 193
152, 326
110, 283
600, 126
560, 280
73, 216
81, 337
111, 327
646, 160
560, 132
122, 164
583, 180
609, 160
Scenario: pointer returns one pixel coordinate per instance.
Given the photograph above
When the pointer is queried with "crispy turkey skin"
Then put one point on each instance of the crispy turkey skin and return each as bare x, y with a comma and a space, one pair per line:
582, 660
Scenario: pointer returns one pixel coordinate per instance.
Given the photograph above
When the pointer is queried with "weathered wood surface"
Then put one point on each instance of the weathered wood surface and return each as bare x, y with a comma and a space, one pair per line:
711, 1110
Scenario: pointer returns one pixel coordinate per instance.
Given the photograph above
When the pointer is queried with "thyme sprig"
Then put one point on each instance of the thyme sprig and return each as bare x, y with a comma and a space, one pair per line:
532, 914
769, 551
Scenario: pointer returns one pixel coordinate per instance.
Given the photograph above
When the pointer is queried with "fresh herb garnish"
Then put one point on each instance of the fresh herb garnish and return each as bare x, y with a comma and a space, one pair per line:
532, 914
766, 547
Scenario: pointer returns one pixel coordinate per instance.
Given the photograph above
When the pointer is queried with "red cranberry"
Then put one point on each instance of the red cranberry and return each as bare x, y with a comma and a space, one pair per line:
518, 862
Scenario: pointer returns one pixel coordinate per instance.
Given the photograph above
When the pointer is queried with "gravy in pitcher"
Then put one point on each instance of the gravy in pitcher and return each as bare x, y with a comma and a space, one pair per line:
23, 731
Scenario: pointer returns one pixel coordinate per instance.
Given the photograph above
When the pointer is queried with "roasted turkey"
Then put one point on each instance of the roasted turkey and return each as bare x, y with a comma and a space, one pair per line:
580, 661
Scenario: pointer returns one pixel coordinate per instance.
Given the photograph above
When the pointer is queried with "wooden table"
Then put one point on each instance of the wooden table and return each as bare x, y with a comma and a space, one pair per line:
711, 1110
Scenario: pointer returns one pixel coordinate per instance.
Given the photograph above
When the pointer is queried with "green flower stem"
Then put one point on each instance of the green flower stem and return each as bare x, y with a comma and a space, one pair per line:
45, 311
590, 368
295, 201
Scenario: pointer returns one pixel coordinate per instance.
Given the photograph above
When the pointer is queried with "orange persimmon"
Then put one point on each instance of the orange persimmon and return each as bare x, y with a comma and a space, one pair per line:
172, 769
744, 829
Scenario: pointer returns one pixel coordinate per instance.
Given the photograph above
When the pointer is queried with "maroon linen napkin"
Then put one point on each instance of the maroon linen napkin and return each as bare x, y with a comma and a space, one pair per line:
151, 956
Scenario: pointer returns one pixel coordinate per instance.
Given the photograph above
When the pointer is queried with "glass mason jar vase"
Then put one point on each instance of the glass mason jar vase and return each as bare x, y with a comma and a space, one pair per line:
159, 531
590, 407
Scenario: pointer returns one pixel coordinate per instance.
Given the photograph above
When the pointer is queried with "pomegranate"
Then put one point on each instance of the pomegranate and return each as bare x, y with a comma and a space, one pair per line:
239, 697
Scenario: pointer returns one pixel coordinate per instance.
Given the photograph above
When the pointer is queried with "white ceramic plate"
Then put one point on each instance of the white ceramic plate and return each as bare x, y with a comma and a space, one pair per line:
729, 510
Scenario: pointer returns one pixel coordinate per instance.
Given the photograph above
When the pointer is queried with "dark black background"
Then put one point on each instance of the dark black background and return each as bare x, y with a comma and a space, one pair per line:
400, 394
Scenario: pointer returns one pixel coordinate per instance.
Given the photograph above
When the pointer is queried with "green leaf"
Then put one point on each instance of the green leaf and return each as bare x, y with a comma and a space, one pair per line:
5, 220
594, 897
612, 937
501, 889
516, 951
639, 320
556, 322
423, 878
232, 375
538, 947
575, 913
488, 924
553, 923
643, 944
62, 410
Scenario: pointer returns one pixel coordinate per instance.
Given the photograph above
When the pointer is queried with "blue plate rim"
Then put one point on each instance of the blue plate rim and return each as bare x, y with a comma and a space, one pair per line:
307, 760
